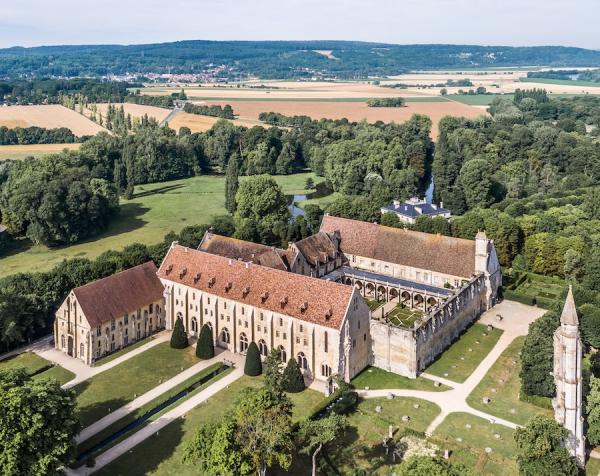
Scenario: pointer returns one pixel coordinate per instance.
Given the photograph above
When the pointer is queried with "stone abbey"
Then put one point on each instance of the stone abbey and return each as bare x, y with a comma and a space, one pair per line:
351, 295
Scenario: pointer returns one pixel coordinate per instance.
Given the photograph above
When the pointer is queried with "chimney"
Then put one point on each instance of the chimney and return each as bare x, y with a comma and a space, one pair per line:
229, 261
441, 204
247, 264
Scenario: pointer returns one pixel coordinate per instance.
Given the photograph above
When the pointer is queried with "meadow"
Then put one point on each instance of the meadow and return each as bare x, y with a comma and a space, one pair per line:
48, 116
154, 210
19, 152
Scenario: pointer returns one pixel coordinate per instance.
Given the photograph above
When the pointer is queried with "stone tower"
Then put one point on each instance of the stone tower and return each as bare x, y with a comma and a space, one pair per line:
567, 378
486, 262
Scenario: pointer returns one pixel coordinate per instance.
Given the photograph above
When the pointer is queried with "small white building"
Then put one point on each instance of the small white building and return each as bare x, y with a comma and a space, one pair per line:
410, 210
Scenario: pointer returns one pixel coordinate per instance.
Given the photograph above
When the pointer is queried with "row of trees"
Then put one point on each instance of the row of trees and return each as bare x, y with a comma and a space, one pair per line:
214, 110
386, 102
36, 135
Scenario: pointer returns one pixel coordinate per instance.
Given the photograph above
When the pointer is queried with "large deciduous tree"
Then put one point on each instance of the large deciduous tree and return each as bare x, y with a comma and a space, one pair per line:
315, 435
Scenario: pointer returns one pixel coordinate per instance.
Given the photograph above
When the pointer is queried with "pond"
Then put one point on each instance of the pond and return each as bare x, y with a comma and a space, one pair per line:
294, 209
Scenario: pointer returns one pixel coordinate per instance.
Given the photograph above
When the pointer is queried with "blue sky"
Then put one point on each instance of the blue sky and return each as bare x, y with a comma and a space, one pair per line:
497, 22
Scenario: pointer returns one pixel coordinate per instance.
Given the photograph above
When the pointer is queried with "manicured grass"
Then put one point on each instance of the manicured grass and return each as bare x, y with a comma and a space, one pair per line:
154, 210
374, 304
471, 450
123, 351
115, 387
592, 467
33, 363
503, 377
161, 454
123, 422
403, 316
362, 445
537, 289
458, 362
323, 202
379, 379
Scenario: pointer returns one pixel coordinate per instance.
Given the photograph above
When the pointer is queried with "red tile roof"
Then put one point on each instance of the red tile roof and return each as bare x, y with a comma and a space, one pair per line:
308, 299
122, 293
443, 254
243, 250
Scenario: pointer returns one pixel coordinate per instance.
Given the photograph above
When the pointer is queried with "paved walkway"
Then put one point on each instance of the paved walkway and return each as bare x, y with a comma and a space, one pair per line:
515, 322
142, 400
152, 428
82, 371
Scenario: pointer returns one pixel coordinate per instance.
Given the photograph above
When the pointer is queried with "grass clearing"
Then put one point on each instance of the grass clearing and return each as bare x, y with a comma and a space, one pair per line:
478, 99
123, 351
460, 359
403, 317
379, 379
562, 82
161, 454
37, 367
470, 449
154, 210
113, 388
20, 152
503, 377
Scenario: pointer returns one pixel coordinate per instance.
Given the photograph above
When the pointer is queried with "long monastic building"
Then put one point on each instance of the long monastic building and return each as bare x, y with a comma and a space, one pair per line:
353, 294
568, 402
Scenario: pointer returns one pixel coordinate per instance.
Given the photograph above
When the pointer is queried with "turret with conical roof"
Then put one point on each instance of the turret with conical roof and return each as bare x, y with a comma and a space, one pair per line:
569, 313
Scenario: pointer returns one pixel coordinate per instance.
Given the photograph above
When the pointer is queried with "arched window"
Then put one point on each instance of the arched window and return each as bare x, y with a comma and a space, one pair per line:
81, 347
282, 354
194, 324
243, 342
325, 370
225, 336
302, 362
262, 347
62, 342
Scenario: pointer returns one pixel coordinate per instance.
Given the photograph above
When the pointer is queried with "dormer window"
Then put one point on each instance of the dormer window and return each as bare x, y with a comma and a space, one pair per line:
169, 268
329, 314
182, 273
211, 281
228, 286
264, 296
196, 278
245, 291
284, 301
304, 307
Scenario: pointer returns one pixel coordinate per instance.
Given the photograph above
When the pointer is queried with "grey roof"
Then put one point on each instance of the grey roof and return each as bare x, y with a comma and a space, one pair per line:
569, 313
410, 210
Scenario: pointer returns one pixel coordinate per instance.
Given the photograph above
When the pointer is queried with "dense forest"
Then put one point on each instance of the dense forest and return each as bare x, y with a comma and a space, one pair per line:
277, 59
567, 74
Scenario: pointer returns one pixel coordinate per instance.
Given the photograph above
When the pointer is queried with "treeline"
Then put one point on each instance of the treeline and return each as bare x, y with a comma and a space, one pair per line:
386, 102
28, 301
531, 144
36, 135
214, 110
567, 74
157, 101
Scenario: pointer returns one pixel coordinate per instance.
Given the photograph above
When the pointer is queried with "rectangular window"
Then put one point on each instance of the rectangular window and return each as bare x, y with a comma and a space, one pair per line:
358, 322
365, 337
126, 319
99, 331
208, 299
205, 312
151, 308
301, 328
325, 342
305, 342
222, 317
266, 330
284, 336
276, 333
280, 321
243, 311
193, 295
246, 324
297, 340
225, 305
353, 343
258, 328
261, 316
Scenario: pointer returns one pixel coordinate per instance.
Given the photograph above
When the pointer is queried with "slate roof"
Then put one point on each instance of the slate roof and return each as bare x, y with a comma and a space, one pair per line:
302, 297
244, 250
122, 293
412, 211
317, 248
443, 254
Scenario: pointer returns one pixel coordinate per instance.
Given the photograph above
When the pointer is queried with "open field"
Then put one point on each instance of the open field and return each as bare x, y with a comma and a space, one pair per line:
161, 454
154, 210
562, 82
199, 123
502, 385
379, 379
18, 152
355, 111
37, 367
48, 116
137, 110
459, 360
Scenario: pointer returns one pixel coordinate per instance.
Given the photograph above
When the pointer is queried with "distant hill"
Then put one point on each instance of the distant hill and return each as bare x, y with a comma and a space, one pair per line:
278, 59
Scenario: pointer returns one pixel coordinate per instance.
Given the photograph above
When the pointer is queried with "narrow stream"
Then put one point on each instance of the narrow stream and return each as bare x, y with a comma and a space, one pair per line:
294, 209
142, 419
429, 191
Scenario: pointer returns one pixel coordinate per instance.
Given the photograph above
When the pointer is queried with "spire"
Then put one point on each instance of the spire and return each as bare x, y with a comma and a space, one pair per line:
481, 235
569, 313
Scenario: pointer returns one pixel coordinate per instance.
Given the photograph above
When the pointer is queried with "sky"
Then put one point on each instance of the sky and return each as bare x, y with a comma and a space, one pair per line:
485, 22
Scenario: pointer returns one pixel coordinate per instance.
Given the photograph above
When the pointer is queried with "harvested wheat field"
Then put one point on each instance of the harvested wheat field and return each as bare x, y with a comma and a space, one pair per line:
198, 123
18, 152
137, 110
48, 116
356, 111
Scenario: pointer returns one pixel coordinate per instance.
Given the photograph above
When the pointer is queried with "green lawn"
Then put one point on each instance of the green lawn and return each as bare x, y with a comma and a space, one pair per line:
503, 377
362, 445
161, 454
115, 387
403, 316
155, 210
323, 202
480, 435
379, 379
123, 351
458, 361
592, 467
374, 304
34, 364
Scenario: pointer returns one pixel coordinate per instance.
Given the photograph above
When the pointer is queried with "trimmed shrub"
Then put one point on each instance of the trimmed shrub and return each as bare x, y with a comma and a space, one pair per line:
346, 403
253, 365
293, 381
205, 347
179, 338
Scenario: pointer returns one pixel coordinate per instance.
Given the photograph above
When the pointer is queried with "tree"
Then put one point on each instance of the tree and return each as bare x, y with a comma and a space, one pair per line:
179, 338
592, 409
589, 322
273, 372
315, 435
293, 381
205, 347
475, 182
232, 183
537, 357
313, 215
541, 449
253, 365
431, 466
591, 279
37, 425
309, 184
443, 91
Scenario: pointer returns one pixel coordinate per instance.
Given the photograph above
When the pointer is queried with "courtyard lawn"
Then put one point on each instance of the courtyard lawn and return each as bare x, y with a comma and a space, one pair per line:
592, 467
468, 443
123, 351
404, 317
37, 367
362, 445
154, 210
379, 379
460, 360
503, 377
161, 454
113, 388
374, 303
